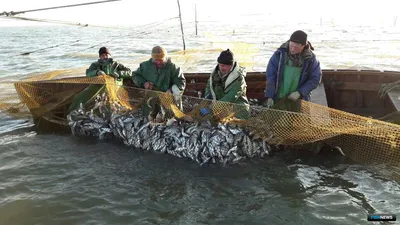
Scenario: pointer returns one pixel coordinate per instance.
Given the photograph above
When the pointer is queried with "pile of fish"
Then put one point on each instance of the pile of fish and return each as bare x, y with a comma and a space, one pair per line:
91, 122
198, 141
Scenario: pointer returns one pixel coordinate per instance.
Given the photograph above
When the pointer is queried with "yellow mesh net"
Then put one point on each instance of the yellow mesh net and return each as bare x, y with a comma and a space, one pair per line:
364, 140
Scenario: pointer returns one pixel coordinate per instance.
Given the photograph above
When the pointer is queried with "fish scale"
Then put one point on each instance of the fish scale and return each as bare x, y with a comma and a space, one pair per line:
137, 141
146, 144
136, 123
156, 144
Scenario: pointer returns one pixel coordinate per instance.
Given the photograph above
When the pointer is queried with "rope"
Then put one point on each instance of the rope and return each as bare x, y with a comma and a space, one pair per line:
12, 13
58, 22
54, 46
137, 33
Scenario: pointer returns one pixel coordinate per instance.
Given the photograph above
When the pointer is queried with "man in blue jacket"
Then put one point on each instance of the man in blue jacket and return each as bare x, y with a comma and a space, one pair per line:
293, 71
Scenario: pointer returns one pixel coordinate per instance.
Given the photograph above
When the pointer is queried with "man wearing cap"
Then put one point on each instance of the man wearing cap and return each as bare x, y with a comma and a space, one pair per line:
293, 71
107, 66
103, 66
159, 73
227, 82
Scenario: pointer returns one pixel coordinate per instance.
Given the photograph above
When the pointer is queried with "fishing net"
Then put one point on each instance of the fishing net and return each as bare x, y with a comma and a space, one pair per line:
363, 139
47, 97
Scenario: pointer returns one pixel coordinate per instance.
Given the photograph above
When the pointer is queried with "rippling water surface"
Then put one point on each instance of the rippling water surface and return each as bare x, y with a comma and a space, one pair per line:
60, 179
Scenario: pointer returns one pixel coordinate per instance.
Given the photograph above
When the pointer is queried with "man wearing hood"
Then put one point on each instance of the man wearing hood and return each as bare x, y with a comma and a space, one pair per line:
293, 71
103, 66
227, 83
159, 73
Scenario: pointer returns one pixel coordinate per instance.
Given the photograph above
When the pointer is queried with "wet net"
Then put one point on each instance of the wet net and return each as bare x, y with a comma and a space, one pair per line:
302, 123
252, 37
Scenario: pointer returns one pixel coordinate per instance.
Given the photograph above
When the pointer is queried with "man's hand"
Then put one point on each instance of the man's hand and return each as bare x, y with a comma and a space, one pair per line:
100, 72
294, 96
268, 103
148, 85
169, 91
115, 75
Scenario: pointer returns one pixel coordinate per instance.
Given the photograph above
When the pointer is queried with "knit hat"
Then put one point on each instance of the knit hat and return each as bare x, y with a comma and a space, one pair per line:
226, 57
159, 52
299, 36
103, 50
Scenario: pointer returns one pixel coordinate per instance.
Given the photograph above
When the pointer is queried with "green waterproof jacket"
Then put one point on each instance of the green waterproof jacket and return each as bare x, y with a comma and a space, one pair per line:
231, 88
108, 67
163, 79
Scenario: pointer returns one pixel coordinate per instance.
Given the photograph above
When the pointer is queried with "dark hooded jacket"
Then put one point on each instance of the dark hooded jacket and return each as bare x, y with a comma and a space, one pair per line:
310, 77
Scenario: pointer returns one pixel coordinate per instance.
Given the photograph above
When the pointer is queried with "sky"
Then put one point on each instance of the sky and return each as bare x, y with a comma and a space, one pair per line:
133, 12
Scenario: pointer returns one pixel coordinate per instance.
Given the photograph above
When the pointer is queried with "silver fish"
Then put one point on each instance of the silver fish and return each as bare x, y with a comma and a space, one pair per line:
200, 142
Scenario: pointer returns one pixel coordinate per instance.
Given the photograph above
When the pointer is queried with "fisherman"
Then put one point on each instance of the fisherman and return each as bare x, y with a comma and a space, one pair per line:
107, 66
159, 73
103, 66
293, 71
227, 84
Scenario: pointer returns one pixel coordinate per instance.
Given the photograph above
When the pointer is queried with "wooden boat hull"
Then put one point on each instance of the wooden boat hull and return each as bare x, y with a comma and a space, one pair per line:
356, 92
347, 90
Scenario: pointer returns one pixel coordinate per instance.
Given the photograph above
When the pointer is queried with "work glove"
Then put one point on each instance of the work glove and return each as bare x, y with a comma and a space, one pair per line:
294, 96
176, 92
204, 111
100, 72
268, 103
115, 75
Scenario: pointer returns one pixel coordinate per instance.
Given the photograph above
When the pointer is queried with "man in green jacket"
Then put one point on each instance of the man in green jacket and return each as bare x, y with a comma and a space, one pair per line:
103, 66
160, 74
107, 66
227, 84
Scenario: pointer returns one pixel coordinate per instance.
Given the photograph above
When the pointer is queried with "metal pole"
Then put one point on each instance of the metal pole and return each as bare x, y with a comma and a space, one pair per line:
195, 16
180, 18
